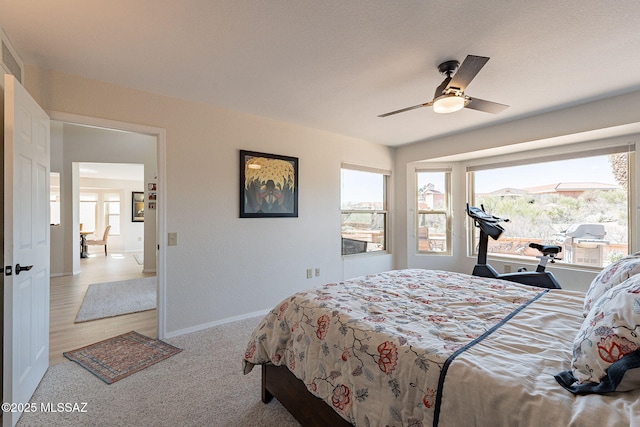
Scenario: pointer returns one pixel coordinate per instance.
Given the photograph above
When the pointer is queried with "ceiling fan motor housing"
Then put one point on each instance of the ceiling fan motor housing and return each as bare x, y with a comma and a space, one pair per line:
447, 68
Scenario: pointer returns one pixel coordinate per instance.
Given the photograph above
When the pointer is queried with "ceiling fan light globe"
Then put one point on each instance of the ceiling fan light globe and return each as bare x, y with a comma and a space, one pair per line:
449, 104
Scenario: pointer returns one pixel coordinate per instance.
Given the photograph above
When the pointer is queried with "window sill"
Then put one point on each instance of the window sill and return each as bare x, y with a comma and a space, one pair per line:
531, 264
366, 254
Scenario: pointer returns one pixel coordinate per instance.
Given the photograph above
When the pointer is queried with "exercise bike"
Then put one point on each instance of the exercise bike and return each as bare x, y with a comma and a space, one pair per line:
489, 226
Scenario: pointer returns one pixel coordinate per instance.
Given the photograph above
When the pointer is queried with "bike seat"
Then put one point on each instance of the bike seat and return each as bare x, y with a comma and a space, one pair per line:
546, 249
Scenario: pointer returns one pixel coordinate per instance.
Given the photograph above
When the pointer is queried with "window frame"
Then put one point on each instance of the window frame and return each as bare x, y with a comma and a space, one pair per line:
86, 197
109, 198
386, 175
55, 205
446, 212
573, 151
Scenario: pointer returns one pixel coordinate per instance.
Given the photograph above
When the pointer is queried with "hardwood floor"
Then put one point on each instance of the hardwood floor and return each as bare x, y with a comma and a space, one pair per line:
67, 293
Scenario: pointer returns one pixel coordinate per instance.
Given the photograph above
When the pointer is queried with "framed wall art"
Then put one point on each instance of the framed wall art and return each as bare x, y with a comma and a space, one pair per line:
268, 185
137, 206
152, 195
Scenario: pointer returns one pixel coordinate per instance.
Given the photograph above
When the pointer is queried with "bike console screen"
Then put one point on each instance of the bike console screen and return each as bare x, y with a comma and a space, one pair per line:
487, 222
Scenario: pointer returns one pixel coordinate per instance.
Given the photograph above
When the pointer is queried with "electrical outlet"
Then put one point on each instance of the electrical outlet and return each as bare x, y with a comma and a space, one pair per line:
507, 268
309, 273
317, 272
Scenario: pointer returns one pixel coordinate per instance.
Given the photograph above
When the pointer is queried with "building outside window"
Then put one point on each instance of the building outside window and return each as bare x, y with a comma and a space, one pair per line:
364, 211
580, 203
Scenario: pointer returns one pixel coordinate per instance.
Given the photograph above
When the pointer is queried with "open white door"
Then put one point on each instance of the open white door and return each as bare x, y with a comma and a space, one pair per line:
26, 247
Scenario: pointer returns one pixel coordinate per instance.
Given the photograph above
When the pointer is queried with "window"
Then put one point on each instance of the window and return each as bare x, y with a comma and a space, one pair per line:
112, 212
433, 213
100, 209
88, 211
54, 198
364, 211
579, 203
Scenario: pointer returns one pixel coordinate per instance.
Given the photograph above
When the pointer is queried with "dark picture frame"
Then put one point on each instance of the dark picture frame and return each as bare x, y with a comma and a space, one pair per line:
137, 206
268, 185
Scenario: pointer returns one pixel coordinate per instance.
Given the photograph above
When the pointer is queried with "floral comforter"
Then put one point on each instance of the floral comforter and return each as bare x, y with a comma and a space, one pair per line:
377, 348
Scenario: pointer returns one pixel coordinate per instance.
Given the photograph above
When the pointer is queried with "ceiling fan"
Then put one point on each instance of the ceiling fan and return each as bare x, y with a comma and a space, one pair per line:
450, 97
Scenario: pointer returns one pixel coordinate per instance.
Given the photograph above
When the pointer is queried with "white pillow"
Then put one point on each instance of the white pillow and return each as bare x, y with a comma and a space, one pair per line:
610, 276
606, 351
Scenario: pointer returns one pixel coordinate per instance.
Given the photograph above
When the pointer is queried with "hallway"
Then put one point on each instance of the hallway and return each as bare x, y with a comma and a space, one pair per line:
67, 293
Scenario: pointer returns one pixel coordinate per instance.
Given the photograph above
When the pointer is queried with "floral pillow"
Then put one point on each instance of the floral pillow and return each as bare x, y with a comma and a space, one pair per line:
606, 351
610, 276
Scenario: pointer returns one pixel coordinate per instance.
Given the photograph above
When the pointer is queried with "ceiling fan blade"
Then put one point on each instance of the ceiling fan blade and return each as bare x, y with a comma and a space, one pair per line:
467, 71
427, 104
486, 106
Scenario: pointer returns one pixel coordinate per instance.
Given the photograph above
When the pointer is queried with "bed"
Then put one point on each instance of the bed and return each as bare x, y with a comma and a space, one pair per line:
425, 347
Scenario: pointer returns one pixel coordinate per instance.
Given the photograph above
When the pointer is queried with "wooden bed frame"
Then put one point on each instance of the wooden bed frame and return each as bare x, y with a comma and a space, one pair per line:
309, 410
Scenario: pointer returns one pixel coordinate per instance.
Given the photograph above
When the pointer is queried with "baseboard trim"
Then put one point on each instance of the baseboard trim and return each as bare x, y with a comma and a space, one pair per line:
216, 323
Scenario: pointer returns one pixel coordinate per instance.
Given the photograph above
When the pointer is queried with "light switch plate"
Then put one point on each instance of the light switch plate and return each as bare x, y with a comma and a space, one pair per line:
172, 239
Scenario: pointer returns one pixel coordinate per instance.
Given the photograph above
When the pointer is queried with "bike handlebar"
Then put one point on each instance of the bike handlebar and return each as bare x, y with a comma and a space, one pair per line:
487, 223
479, 214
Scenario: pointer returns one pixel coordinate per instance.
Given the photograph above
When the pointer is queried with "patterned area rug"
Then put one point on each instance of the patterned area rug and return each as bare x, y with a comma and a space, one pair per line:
116, 358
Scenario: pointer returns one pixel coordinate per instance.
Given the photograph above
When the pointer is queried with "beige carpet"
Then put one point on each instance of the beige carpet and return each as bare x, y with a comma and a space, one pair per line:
201, 386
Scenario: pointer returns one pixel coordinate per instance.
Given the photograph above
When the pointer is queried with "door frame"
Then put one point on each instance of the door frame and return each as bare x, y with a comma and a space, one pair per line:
160, 134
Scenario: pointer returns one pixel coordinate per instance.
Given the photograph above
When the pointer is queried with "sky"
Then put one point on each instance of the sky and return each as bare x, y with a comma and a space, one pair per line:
365, 187
588, 169
361, 187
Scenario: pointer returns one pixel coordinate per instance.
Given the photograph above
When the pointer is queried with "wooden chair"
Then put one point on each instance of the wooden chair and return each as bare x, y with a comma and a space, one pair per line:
105, 236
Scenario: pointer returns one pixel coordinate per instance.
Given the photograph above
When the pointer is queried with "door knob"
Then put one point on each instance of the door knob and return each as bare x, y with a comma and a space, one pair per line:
20, 268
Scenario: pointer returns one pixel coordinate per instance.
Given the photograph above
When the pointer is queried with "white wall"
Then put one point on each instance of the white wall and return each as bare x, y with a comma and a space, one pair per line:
616, 115
225, 266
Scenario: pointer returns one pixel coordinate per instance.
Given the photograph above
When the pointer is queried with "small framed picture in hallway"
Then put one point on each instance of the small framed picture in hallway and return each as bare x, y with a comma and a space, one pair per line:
137, 206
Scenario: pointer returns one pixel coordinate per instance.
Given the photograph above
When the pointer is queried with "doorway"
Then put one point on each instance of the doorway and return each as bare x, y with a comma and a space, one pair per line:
81, 139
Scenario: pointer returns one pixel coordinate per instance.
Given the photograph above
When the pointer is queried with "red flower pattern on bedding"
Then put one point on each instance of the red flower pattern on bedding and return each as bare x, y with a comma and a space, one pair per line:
375, 319
283, 309
345, 354
323, 325
613, 347
437, 318
388, 357
341, 399
429, 398
292, 363
251, 350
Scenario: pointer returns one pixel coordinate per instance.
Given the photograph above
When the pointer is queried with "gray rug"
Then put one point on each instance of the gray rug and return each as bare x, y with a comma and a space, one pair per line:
117, 298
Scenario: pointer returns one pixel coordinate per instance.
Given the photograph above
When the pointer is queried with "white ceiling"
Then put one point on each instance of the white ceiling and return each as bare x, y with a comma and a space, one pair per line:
336, 65
119, 171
